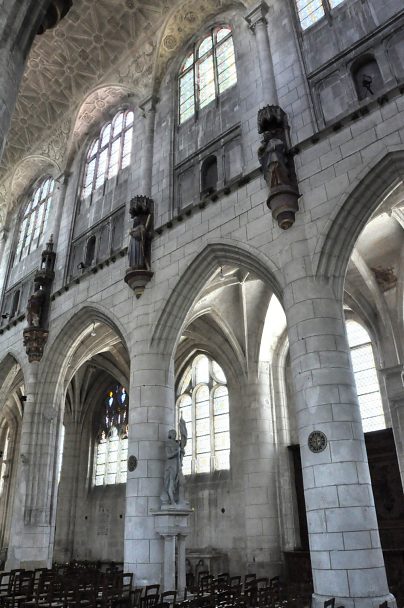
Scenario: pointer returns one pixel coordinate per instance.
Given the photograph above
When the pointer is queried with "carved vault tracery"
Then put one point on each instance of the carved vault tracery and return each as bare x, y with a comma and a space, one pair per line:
111, 48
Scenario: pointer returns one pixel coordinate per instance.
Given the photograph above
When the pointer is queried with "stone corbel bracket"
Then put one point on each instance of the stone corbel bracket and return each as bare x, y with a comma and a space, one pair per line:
278, 165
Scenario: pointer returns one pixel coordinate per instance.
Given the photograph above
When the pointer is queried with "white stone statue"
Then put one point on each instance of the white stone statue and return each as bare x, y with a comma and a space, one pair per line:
173, 478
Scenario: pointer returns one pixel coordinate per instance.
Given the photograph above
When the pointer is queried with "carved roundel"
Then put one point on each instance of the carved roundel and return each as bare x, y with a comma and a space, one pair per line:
317, 441
132, 463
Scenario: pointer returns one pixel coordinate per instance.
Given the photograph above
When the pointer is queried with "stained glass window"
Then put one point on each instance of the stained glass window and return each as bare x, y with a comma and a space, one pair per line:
203, 403
207, 72
310, 11
109, 153
35, 218
367, 383
112, 439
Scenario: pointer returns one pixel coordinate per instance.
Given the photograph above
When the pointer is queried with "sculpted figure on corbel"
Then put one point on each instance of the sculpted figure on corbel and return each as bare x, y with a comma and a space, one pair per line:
35, 335
139, 272
277, 165
141, 211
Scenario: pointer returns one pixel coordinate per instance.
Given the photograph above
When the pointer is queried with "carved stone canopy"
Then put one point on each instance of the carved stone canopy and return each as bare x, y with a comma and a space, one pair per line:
271, 117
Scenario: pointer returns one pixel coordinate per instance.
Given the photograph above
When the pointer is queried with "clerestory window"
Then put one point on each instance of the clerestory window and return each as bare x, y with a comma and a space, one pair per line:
310, 11
112, 439
35, 218
367, 383
109, 153
208, 71
203, 403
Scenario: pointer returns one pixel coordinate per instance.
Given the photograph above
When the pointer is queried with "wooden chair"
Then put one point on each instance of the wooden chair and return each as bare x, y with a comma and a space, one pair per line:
169, 598
136, 596
331, 603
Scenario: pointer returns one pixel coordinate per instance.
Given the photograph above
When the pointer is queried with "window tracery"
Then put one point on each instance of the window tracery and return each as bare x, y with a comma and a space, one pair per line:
203, 403
310, 11
208, 71
112, 439
367, 383
109, 153
35, 218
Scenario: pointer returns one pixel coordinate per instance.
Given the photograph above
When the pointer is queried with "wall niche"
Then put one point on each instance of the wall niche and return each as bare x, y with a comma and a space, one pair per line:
366, 76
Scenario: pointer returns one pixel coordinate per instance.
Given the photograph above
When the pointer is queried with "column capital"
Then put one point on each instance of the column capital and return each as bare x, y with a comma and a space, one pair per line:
148, 104
257, 15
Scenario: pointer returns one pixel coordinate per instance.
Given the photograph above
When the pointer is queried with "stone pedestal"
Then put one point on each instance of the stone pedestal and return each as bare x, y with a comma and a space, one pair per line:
172, 524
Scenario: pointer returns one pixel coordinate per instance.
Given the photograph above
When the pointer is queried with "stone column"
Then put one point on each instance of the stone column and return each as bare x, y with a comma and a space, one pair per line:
148, 108
169, 562
257, 22
259, 464
181, 568
151, 415
30, 535
394, 382
346, 556
4, 232
19, 23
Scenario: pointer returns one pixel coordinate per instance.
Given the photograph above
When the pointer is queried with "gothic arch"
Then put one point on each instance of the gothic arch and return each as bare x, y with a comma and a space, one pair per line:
93, 110
57, 356
172, 317
26, 172
334, 247
10, 368
182, 23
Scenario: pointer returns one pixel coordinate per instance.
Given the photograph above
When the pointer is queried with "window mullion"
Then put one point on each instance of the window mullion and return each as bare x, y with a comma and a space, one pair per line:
193, 460
212, 430
215, 73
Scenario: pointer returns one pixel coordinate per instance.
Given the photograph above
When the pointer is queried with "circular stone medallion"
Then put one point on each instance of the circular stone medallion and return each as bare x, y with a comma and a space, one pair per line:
132, 463
317, 441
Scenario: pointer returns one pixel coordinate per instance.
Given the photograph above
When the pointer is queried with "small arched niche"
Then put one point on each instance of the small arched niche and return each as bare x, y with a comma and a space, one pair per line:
90, 251
209, 175
366, 76
15, 303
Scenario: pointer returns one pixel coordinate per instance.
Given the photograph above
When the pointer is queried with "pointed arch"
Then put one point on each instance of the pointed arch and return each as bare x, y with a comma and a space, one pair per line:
57, 355
335, 245
172, 317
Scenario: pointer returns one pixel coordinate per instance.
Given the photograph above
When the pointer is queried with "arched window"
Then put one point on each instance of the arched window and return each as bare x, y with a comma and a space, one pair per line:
109, 153
203, 403
35, 218
112, 439
310, 11
208, 71
367, 383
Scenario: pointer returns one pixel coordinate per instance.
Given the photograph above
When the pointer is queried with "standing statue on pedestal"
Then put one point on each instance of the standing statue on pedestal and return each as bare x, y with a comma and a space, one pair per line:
277, 165
140, 234
35, 307
139, 272
173, 478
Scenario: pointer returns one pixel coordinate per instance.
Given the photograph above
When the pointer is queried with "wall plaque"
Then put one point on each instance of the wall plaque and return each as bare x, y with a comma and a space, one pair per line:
132, 463
317, 441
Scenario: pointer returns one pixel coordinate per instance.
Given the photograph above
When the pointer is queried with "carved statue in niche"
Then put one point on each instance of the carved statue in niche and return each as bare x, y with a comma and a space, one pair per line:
36, 334
273, 159
277, 165
139, 272
35, 307
173, 477
140, 235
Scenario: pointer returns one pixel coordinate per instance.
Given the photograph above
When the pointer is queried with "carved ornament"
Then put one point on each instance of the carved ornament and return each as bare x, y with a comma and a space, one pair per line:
278, 165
